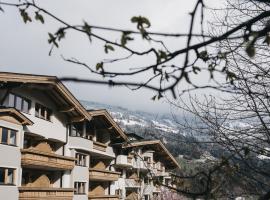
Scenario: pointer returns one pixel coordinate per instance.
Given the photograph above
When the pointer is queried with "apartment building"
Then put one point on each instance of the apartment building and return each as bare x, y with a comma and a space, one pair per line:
145, 167
51, 147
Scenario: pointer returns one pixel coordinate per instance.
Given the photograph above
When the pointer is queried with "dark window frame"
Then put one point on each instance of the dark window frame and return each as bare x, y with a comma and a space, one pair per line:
14, 102
81, 160
78, 186
5, 171
9, 130
74, 132
39, 108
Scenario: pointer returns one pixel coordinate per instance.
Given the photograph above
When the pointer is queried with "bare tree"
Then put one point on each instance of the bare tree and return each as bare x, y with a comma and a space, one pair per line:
239, 122
228, 52
165, 72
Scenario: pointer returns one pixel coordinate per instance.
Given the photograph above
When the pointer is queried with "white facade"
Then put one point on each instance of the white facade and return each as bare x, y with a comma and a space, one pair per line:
60, 151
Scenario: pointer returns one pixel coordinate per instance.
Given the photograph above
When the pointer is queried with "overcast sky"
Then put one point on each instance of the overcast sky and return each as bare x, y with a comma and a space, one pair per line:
24, 48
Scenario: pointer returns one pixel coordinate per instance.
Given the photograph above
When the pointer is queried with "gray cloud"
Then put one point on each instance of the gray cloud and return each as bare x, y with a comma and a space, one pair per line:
24, 48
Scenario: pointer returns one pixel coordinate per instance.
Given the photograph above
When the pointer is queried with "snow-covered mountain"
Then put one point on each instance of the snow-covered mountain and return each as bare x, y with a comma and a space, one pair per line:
129, 119
150, 126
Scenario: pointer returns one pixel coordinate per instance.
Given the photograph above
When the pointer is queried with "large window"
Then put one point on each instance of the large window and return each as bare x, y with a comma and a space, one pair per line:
79, 187
7, 176
75, 130
43, 112
18, 102
80, 159
8, 136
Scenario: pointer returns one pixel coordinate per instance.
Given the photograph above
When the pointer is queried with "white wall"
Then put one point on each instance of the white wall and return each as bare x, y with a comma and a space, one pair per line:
10, 157
80, 143
80, 174
9, 193
56, 128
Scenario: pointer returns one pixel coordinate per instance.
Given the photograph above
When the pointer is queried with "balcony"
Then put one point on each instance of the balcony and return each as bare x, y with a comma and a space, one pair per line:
35, 193
139, 164
103, 175
99, 146
123, 161
103, 197
148, 189
37, 159
80, 143
132, 183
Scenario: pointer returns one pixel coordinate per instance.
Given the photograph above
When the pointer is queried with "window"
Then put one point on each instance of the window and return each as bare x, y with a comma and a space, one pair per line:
18, 102
7, 176
11, 100
119, 192
10, 176
75, 130
146, 180
147, 159
166, 181
12, 139
147, 197
2, 175
4, 139
8, 136
43, 112
80, 159
79, 188
25, 106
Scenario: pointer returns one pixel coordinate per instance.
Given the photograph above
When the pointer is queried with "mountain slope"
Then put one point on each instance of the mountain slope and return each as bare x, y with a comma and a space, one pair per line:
150, 126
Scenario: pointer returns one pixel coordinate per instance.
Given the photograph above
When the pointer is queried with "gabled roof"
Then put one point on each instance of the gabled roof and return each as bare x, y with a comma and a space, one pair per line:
106, 114
57, 90
159, 149
16, 114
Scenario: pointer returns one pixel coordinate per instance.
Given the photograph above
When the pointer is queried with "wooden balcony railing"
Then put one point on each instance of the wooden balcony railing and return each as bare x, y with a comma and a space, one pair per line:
99, 146
34, 193
35, 158
103, 175
103, 197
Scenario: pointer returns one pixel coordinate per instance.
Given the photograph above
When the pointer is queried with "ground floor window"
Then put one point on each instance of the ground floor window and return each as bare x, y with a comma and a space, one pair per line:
7, 176
79, 187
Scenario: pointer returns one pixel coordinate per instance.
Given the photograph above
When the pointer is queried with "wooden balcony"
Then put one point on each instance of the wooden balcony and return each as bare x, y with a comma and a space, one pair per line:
103, 175
35, 193
33, 158
103, 197
99, 146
